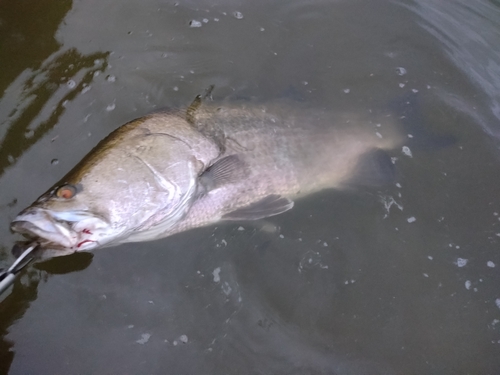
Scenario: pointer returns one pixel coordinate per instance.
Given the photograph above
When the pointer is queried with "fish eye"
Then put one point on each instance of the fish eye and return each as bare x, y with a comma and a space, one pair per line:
66, 191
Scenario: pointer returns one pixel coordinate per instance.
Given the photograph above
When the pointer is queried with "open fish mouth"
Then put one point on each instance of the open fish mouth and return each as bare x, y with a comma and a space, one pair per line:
41, 226
79, 232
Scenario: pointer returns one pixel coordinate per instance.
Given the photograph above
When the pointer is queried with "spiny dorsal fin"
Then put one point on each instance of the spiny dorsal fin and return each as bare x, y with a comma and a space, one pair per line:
191, 110
209, 128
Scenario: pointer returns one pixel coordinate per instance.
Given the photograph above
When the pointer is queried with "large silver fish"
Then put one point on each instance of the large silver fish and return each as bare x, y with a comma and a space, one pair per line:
176, 170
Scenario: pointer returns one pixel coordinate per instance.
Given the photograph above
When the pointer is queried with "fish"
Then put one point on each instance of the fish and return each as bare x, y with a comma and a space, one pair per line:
179, 169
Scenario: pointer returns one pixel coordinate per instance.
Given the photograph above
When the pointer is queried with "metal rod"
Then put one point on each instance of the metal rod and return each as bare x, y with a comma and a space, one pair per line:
7, 278
7, 281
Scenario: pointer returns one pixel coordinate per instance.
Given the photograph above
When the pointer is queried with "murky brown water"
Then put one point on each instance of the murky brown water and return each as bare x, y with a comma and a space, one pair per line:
348, 285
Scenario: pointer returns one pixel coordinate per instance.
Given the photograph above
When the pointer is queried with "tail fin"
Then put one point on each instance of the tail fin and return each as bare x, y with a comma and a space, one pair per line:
409, 111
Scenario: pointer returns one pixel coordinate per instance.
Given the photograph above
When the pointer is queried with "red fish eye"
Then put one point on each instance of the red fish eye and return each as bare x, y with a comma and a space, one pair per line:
66, 192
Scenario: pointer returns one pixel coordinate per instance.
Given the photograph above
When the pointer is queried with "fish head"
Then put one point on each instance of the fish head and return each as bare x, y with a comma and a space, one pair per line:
62, 221
134, 186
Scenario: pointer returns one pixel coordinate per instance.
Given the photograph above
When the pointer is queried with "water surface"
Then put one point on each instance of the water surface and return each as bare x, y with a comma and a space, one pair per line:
400, 280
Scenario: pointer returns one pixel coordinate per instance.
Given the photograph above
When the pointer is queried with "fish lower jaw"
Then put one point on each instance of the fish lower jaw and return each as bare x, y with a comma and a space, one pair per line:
32, 232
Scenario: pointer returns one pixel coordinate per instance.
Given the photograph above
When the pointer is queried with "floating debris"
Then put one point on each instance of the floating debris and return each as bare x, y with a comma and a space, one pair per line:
144, 338
194, 23
461, 262
406, 150
400, 71
216, 274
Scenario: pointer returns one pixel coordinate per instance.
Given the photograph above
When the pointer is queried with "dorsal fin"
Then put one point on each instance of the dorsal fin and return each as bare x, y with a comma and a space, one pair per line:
208, 127
193, 107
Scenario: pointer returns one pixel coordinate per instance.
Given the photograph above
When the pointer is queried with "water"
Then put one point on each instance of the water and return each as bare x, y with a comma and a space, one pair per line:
404, 280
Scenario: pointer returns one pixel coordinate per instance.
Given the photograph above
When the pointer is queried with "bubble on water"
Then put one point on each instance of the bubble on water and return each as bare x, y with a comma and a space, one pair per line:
406, 150
96, 73
29, 133
54, 161
71, 84
205, 20
347, 91
175, 88
144, 338
194, 23
262, 29
216, 19
183, 339
461, 262
111, 78
85, 89
414, 90
110, 107
226, 289
490, 264
411, 219
216, 274
238, 15
401, 85
468, 284
400, 71
497, 302
164, 55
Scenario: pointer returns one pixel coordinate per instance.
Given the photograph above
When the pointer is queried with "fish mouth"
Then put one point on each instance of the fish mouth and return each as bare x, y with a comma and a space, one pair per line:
67, 232
41, 226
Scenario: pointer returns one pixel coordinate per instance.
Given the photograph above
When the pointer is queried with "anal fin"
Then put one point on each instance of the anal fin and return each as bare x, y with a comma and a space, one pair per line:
268, 206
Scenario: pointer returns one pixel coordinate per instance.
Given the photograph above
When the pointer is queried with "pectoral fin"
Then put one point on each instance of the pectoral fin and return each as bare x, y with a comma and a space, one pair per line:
227, 170
269, 206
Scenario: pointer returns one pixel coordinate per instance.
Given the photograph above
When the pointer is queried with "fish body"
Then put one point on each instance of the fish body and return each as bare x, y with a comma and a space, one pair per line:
176, 170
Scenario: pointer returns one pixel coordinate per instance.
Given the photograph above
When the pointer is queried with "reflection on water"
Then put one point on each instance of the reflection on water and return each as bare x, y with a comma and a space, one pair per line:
396, 282
38, 89
27, 35
476, 25
12, 308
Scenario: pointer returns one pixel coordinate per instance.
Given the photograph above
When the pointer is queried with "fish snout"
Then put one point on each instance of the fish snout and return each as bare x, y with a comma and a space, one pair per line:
40, 225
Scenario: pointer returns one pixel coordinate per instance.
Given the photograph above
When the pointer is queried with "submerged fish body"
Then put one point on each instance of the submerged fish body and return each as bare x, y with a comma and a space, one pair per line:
172, 171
